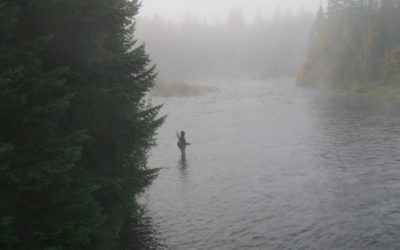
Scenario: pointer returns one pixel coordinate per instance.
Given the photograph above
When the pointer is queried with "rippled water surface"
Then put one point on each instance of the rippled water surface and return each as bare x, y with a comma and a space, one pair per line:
275, 166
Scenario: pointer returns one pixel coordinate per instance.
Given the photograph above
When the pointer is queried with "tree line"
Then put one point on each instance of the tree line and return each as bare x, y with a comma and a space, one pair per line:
75, 126
262, 48
354, 44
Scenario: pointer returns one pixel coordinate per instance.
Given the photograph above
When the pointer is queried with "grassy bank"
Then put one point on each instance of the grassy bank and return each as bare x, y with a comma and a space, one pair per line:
180, 89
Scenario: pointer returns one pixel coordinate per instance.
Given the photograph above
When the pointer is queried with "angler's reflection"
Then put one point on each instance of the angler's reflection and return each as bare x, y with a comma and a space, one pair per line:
183, 167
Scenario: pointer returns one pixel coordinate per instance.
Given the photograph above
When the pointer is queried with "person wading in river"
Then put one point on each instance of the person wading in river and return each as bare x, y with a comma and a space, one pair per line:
182, 143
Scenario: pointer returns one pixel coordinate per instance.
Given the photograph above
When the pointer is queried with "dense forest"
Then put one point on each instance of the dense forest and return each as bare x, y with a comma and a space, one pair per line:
355, 45
262, 48
75, 127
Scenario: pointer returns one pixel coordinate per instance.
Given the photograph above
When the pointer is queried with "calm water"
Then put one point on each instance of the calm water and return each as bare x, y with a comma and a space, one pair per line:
275, 166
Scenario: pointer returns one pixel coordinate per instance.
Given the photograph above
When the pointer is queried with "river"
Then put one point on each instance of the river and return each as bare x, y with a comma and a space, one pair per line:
276, 166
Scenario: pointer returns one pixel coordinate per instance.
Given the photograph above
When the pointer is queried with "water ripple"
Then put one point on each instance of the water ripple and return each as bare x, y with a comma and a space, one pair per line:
273, 166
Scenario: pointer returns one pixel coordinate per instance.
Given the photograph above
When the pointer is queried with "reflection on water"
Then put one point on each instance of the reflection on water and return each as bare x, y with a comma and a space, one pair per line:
140, 232
183, 167
274, 166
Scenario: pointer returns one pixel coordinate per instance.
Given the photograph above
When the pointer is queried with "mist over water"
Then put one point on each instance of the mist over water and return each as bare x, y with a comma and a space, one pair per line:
272, 165
190, 49
276, 166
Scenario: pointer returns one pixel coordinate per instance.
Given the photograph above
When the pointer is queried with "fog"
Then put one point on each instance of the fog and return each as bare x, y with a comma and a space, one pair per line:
270, 163
264, 47
211, 10
200, 124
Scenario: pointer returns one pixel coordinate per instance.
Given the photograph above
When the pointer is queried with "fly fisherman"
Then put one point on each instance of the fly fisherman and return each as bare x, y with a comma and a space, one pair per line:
182, 143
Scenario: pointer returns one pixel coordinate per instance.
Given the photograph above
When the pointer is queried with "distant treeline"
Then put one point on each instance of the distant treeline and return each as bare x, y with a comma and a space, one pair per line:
74, 127
354, 44
264, 48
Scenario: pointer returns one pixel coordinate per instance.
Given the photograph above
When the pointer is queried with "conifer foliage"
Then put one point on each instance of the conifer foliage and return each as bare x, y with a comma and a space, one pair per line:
75, 127
354, 45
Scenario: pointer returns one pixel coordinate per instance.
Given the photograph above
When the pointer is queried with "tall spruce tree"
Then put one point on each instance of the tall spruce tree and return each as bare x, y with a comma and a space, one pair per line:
75, 127
315, 52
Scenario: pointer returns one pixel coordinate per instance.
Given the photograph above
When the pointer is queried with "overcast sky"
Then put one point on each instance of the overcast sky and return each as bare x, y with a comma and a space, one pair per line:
211, 10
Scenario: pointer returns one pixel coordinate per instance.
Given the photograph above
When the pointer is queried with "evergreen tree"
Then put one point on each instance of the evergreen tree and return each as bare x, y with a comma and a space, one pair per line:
337, 7
315, 52
75, 128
